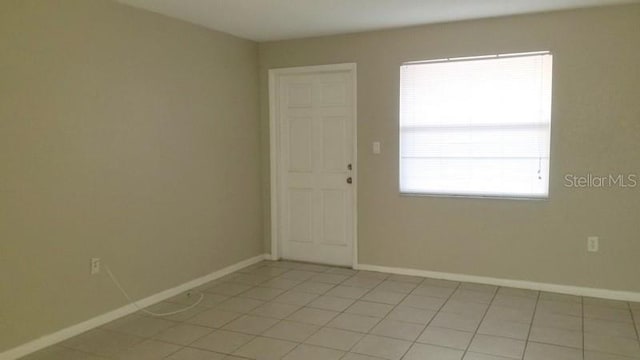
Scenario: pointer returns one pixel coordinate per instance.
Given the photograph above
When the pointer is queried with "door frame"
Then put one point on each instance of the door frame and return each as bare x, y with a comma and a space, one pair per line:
276, 171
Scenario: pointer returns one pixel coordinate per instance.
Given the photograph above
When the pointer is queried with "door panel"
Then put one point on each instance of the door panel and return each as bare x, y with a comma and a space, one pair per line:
333, 136
316, 126
334, 216
300, 136
300, 215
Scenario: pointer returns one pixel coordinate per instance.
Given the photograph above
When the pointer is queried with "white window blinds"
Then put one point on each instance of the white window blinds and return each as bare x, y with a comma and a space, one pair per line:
476, 126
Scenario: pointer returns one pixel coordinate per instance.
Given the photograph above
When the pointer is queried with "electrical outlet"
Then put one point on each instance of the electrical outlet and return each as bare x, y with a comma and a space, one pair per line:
593, 244
95, 266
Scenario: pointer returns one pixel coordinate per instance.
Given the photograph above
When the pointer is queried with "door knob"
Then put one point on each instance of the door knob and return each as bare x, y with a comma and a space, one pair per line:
349, 180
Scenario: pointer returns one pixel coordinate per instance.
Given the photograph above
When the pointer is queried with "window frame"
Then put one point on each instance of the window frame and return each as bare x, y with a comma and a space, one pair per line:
533, 197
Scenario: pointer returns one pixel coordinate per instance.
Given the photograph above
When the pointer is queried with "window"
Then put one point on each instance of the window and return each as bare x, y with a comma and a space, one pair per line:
476, 126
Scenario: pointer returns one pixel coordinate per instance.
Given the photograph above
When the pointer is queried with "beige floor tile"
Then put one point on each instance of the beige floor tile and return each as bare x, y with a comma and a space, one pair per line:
223, 341
441, 283
531, 294
514, 301
385, 297
354, 322
478, 356
291, 330
612, 345
559, 307
433, 291
103, 342
537, 351
456, 321
396, 286
239, 304
228, 289
314, 267
251, 279
398, 329
446, 337
214, 318
432, 352
383, 347
249, 324
60, 353
195, 354
281, 283
275, 310
182, 315
314, 287
560, 297
301, 275
335, 339
262, 293
510, 314
331, 303
144, 326
309, 352
464, 307
472, 296
406, 278
362, 282
265, 349
592, 355
556, 336
423, 302
558, 321
508, 329
490, 289
149, 350
313, 316
296, 298
368, 308
494, 345
329, 278
610, 328
607, 313
350, 292
183, 334
414, 315
354, 356
588, 301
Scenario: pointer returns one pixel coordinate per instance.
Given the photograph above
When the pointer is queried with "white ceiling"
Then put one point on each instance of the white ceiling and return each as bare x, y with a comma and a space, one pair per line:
264, 20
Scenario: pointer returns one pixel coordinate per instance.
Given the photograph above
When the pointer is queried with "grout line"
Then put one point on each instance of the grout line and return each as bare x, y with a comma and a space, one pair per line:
475, 333
535, 309
633, 320
434, 316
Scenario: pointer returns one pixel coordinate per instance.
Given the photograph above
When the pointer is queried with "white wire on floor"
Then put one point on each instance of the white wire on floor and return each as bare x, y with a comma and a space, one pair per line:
126, 295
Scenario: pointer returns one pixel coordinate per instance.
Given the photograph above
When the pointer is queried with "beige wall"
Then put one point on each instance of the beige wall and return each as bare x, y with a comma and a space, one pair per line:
596, 129
124, 135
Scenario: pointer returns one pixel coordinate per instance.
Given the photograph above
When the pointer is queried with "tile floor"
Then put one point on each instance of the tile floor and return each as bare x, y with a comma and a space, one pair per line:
296, 311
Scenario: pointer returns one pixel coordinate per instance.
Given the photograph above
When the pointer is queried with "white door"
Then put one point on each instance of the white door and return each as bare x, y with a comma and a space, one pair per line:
315, 124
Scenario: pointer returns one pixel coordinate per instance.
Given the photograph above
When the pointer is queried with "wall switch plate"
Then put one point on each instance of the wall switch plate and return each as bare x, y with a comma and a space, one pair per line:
376, 147
593, 244
95, 266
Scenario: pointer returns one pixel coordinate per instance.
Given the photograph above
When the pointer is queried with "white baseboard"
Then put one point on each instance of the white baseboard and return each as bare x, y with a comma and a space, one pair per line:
100, 320
563, 289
